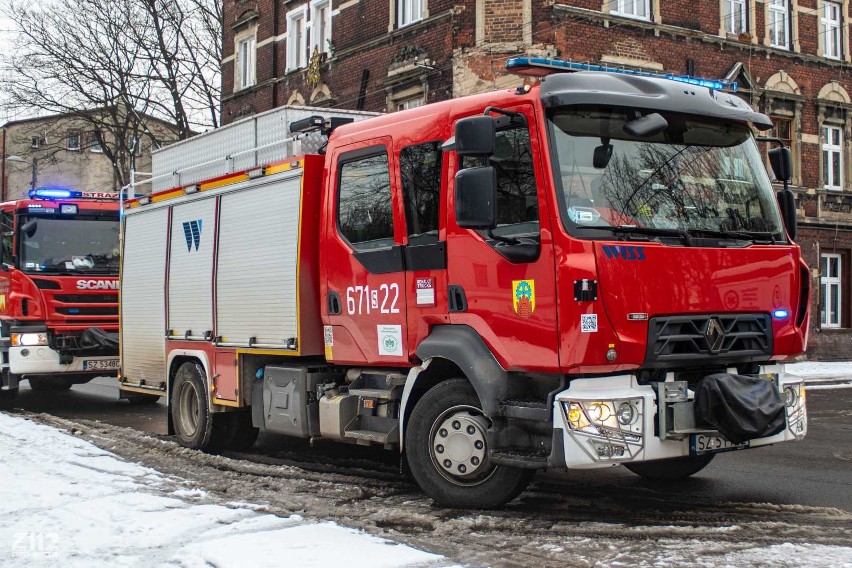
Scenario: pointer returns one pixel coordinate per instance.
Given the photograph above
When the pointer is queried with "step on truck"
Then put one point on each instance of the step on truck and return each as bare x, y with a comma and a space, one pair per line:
58, 289
590, 272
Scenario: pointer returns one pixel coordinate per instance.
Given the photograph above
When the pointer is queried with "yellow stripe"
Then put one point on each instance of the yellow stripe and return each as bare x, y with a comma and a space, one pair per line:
166, 195
249, 351
222, 182
286, 167
231, 403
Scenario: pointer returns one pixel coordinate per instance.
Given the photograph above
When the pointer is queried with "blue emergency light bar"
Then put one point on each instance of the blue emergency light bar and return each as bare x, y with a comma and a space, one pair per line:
65, 193
540, 66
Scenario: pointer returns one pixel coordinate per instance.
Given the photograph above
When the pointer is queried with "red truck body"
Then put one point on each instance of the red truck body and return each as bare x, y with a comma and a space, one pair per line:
569, 286
58, 288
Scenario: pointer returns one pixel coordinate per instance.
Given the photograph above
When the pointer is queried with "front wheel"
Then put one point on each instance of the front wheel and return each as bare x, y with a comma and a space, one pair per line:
447, 452
671, 469
196, 426
43, 384
7, 398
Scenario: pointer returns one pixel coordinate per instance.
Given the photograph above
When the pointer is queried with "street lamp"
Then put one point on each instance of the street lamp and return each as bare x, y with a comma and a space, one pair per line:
34, 164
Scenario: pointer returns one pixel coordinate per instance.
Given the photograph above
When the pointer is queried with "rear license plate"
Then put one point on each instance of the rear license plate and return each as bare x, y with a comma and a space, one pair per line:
704, 444
98, 364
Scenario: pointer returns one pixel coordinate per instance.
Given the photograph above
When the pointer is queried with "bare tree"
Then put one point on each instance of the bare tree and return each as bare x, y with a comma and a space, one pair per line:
114, 64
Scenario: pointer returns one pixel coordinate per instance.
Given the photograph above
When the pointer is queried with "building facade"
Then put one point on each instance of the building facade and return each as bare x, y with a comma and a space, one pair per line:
63, 150
791, 59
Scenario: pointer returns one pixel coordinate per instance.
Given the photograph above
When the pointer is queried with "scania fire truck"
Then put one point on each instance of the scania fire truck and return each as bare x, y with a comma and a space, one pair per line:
589, 272
58, 289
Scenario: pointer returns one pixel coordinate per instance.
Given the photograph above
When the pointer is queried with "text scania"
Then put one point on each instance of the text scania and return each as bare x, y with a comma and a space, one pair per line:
97, 284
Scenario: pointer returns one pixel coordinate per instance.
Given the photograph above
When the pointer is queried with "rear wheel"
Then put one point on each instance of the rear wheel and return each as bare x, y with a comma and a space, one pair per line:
195, 425
241, 433
142, 399
7, 398
671, 469
43, 384
447, 451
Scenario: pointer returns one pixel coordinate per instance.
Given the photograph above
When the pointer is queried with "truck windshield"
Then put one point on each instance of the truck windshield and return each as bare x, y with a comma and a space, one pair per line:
694, 179
68, 245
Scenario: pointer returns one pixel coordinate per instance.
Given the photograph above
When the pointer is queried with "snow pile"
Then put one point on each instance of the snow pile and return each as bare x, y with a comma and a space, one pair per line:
64, 501
823, 374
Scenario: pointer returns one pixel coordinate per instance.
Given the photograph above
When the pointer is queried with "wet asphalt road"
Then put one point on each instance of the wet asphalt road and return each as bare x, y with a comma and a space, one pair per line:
815, 472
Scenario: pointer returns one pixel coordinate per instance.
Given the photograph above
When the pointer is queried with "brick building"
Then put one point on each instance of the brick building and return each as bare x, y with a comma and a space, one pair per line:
791, 59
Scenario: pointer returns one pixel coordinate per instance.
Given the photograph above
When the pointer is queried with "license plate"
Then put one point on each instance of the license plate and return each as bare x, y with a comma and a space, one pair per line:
705, 444
97, 364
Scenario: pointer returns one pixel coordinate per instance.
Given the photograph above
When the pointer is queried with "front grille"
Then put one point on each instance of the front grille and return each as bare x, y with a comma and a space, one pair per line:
83, 311
676, 340
87, 298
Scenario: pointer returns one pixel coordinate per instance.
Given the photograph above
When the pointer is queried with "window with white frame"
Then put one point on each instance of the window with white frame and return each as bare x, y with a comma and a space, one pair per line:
779, 23
832, 157
830, 280
321, 25
246, 57
297, 39
830, 29
735, 16
409, 12
72, 141
632, 8
412, 102
95, 146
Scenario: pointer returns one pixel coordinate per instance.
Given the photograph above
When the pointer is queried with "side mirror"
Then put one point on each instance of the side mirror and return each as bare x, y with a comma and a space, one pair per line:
475, 136
476, 198
782, 163
646, 126
787, 203
29, 228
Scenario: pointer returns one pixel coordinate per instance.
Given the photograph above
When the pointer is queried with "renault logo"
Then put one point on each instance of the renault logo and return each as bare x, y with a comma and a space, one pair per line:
715, 334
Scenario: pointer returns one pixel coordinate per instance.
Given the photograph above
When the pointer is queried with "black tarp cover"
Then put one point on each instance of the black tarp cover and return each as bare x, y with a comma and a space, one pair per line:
740, 407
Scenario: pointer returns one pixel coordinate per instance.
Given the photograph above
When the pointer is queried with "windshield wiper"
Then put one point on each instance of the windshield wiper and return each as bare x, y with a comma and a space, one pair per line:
648, 231
750, 236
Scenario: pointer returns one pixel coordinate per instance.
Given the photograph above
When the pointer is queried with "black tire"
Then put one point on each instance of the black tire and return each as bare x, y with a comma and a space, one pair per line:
47, 384
195, 425
671, 469
485, 486
7, 398
241, 434
142, 399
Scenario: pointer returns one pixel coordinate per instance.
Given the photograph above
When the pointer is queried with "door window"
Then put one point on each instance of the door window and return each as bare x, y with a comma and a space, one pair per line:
365, 211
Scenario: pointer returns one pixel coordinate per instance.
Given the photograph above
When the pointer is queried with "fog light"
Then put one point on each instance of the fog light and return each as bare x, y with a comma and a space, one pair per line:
611, 355
28, 339
626, 414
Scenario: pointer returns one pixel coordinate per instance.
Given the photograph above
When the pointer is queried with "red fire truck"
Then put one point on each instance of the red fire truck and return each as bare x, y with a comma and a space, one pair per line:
594, 271
58, 289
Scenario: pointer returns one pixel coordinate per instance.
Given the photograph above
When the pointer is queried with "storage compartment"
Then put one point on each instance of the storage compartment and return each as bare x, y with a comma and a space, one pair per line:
286, 403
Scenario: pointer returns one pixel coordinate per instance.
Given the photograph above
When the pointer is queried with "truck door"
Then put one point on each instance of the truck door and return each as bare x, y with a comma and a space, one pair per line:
502, 282
362, 258
7, 234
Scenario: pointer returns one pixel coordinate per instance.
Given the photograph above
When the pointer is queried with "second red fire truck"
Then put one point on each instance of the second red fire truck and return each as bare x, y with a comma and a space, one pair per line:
591, 272
58, 289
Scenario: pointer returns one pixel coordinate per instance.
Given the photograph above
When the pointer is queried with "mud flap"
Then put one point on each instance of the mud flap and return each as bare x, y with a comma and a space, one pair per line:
740, 407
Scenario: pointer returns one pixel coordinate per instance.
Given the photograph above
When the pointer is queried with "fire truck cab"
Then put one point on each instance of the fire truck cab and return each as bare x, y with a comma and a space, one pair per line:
58, 289
588, 273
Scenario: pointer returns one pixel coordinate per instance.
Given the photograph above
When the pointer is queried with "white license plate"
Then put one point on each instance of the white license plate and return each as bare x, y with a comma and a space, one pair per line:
705, 444
98, 364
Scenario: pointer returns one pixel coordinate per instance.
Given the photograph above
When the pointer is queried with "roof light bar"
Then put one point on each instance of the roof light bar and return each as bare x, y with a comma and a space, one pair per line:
540, 66
65, 193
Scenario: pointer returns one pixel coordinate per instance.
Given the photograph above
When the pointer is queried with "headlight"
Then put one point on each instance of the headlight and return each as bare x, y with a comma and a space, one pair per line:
28, 339
626, 414
791, 397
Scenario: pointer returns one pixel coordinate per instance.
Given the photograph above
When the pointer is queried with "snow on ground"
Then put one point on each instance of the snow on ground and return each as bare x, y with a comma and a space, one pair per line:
66, 502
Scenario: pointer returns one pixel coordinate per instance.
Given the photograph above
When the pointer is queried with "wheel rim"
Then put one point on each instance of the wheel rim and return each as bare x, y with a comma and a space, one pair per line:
458, 446
189, 409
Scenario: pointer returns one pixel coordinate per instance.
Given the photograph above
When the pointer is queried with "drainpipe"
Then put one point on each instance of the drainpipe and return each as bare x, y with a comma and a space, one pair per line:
3, 170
